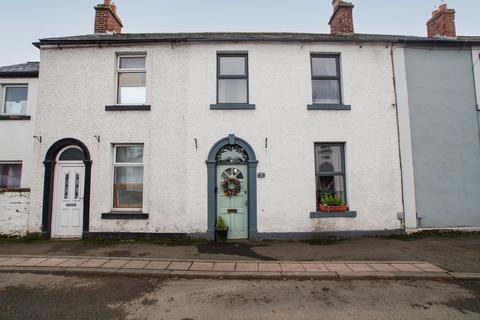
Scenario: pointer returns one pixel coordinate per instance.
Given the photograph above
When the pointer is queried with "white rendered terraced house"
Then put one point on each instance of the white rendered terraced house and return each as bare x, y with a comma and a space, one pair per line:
161, 134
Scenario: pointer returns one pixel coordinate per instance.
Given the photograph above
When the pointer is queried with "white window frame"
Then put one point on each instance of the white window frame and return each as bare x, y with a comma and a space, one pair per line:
4, 97
131, 70
127, 164
21, 171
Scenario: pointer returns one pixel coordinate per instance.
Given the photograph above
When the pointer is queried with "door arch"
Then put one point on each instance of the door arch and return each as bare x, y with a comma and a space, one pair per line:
212, 181
50, 162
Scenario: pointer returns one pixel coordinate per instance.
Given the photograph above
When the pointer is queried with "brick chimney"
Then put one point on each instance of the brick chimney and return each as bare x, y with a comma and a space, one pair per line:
341, 21
106, 19
442, 23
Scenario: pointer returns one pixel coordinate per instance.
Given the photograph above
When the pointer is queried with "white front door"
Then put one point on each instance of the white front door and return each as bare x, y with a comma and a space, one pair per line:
68, 211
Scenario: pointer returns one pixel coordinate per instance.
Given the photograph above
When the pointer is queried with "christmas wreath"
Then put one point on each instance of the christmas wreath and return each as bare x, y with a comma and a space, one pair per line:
231, 186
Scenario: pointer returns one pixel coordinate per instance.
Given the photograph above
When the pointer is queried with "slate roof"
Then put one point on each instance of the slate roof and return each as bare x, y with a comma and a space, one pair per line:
26, 70
123, 38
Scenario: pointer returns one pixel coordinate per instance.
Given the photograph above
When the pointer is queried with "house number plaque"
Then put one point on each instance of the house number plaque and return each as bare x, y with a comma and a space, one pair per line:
261, 175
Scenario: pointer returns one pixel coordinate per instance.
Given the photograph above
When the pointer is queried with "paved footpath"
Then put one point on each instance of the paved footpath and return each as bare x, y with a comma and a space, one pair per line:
216, 269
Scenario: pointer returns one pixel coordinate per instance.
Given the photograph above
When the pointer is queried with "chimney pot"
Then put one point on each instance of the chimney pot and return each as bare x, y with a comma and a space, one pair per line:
114, 7
107, 2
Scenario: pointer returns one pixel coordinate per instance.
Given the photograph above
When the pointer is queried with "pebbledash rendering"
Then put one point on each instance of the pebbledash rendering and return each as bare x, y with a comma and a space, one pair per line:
282, 135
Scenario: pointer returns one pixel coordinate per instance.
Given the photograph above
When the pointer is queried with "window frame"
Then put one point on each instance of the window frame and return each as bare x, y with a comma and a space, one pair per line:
21, 172
4, 98
233, 77
127, 164
130, 70
333, 173
338, 77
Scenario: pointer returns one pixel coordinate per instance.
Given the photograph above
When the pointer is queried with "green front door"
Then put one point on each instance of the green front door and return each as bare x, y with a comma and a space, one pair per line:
233, 209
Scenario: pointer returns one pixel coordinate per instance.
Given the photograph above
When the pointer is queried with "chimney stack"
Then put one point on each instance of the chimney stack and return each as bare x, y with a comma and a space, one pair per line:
341, 21
442, 22
106, 19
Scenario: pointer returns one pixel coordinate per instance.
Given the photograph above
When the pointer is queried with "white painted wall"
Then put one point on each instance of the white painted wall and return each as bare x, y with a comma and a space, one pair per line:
14, 212
76, 84
16, 136
405, 139
476, 71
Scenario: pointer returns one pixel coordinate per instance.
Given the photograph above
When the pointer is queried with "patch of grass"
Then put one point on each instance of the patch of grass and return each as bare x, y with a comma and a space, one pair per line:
33, 236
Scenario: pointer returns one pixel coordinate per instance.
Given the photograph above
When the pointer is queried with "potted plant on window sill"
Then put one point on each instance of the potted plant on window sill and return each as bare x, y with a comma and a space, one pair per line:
221, 230
331, 203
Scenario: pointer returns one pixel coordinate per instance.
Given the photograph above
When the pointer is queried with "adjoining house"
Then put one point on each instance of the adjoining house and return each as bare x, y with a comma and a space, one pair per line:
283, 135
18, 94
437, 88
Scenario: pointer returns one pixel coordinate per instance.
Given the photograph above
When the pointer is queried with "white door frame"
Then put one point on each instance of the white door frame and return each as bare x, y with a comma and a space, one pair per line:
57, 187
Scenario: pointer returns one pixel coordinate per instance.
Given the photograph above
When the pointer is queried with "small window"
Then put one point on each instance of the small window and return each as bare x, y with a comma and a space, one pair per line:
232, 154
72, 154
330, 170
131, 80
15, 99
10, 175
232, 78
326, 79
128, 177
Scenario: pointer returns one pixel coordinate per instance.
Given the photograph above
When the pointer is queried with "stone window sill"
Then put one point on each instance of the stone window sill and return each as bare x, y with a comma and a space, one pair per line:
232, 106
317, 106
14, 117
128, 107
321, 214
125, 215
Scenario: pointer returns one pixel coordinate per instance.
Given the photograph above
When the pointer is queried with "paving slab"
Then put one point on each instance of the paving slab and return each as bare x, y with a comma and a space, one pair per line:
291, 267
382, 267
314, 267
71, 263
12, 261
115, 264
93, 263
30, 262
136, 264
428, 267
360, 267
337, 267
177, 265
406, 267
39, 270
52, 262
157, 265
201, 266
269, 267
246, 267
224, 266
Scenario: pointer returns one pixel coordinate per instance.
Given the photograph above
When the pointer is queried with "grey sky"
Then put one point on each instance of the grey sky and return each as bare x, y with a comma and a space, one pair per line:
25, 21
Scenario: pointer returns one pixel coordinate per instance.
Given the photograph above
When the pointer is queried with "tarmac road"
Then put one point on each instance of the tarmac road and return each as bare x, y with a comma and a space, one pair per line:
29, 296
